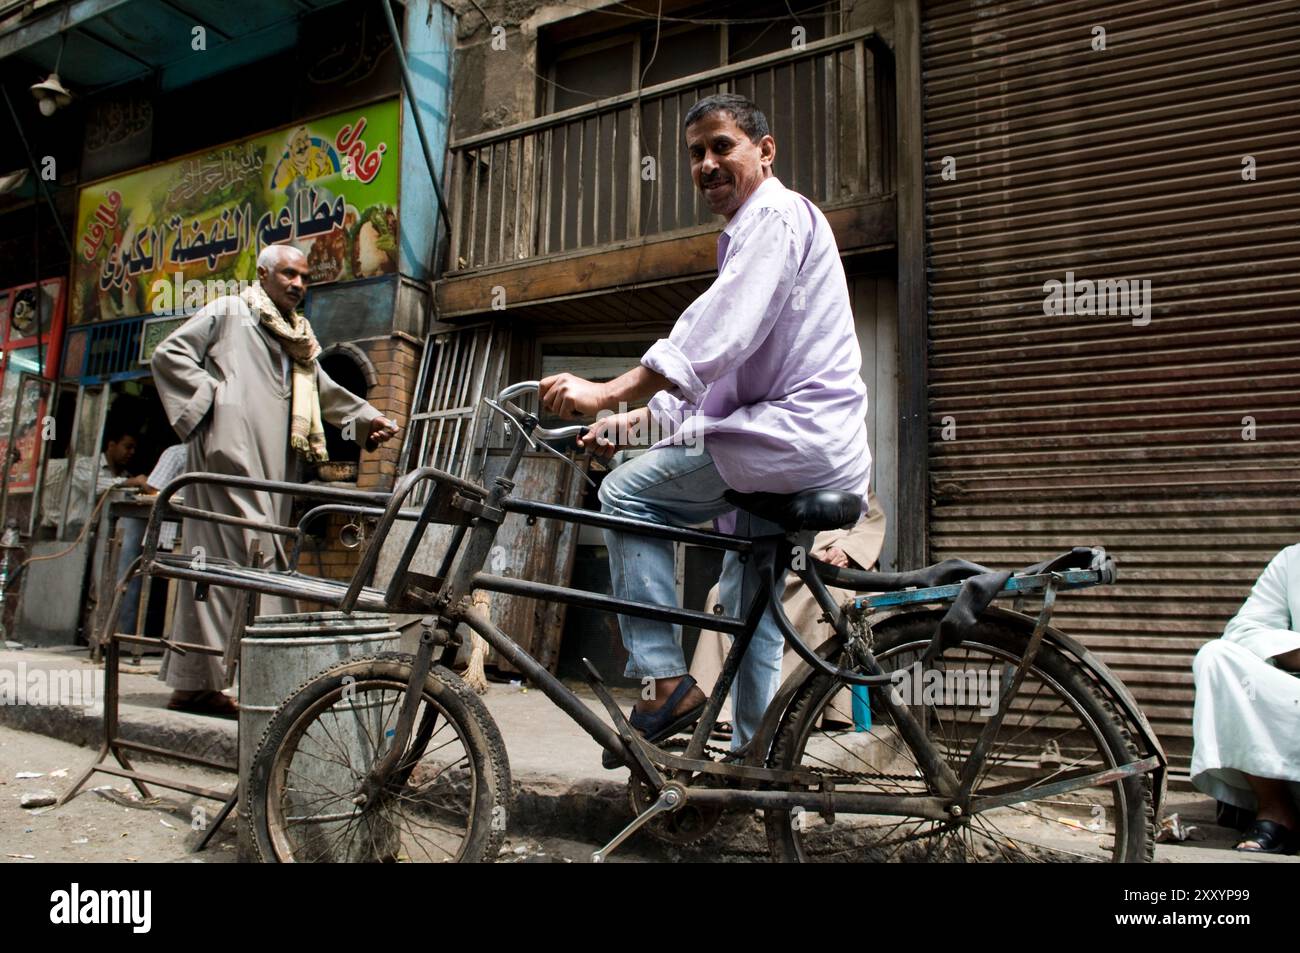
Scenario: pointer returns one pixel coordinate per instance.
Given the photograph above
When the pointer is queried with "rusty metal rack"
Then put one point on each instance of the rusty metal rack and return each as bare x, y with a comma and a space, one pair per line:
115, 745
252, 580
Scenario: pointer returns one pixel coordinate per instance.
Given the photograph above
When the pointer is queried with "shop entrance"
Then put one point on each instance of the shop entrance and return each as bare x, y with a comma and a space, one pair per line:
77, 475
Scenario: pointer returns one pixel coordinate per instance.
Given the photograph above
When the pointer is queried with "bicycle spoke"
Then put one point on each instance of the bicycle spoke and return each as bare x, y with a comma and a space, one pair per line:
427, 811
983, 833
1013, 840
323, 756
1048, 713
339, 746
836, 768
420, 840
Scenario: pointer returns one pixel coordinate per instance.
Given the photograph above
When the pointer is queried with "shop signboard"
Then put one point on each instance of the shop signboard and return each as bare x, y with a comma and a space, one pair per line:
166, 239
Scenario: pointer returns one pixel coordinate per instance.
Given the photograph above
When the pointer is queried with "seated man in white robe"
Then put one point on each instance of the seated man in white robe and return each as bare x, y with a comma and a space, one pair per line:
1246, 720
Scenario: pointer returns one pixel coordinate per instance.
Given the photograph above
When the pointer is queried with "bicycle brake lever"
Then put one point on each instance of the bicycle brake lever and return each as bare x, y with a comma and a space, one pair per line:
537, 444
514, 420
577, 469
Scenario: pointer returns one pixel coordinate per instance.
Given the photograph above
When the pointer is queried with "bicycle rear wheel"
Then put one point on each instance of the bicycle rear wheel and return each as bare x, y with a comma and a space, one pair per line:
1058, 726
446, 799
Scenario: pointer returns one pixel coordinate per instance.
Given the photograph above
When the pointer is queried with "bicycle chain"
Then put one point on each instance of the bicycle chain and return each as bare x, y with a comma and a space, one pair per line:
663, 829
723, 753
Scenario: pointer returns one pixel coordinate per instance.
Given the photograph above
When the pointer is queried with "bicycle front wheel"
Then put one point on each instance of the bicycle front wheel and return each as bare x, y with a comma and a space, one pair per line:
445, 800
1057, 727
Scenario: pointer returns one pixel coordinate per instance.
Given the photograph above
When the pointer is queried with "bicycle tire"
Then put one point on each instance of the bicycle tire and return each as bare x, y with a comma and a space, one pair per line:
904, 638
485, 787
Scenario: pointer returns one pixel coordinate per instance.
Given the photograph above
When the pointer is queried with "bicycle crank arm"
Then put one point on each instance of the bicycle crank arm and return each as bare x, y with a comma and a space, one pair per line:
670, 799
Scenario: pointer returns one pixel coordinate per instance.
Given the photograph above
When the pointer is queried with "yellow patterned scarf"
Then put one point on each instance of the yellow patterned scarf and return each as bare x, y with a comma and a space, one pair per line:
306, 432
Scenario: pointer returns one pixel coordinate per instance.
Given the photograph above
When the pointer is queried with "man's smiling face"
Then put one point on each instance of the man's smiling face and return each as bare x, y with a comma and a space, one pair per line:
726, 165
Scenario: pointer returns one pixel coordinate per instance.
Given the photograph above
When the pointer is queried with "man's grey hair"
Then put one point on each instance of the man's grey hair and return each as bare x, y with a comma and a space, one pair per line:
744, 112
272, 255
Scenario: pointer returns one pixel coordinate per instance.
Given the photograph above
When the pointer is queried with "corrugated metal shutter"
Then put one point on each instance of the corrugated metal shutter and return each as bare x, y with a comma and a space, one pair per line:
1172, 443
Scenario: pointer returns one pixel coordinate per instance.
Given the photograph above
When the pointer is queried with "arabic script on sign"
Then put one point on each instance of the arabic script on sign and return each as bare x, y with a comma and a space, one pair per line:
361, 164
104, 219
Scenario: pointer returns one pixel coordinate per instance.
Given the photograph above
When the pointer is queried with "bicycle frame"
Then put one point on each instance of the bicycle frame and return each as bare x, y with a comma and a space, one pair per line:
478, 512
646, 760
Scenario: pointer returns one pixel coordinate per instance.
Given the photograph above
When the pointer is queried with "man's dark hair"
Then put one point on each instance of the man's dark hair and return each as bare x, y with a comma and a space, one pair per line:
743, 112
115, 430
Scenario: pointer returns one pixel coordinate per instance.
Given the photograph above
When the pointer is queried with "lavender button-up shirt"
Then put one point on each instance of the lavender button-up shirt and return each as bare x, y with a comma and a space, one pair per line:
765, 364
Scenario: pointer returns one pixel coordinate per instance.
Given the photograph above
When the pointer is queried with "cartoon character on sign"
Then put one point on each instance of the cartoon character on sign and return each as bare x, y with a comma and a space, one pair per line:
312, 218
24, 316
305, 159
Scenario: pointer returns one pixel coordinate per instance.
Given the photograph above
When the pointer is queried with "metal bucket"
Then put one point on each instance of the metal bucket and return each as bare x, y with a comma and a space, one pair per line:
278, 654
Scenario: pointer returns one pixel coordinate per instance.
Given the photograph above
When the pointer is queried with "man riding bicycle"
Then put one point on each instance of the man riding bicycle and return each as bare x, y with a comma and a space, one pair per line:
758, 385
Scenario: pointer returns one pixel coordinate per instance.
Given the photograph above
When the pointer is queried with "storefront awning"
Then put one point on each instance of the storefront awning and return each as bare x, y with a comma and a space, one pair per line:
116, 41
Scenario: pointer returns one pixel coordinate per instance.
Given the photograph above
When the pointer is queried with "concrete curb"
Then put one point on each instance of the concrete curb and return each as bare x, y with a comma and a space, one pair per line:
80, 727
543, 804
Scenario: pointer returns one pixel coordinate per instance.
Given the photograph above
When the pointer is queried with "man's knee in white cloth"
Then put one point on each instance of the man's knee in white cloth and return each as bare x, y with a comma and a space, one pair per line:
1219, 657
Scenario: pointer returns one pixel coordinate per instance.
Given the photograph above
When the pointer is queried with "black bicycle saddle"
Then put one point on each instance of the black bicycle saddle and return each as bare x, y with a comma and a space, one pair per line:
807, 510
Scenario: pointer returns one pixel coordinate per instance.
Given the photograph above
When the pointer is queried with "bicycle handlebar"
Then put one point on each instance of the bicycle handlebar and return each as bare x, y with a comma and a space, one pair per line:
514, 390
544, 433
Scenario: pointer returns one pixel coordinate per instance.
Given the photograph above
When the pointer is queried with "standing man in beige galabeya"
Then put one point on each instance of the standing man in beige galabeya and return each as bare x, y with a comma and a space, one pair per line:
242, 387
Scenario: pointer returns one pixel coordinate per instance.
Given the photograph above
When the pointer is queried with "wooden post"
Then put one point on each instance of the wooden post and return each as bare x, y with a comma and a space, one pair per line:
913, 330
246, 605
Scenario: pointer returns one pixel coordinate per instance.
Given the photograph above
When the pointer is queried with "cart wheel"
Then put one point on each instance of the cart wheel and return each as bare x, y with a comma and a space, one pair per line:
446, 800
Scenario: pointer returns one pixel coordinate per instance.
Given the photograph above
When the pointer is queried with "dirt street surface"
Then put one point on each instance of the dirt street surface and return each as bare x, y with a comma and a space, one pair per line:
109, 822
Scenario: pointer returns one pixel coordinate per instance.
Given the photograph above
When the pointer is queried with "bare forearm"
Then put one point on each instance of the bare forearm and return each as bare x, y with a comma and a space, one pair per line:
636, 386
571, 397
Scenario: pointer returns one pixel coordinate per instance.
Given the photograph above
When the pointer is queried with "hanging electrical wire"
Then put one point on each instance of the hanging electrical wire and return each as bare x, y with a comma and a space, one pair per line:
630, 13
633, 14
654, 52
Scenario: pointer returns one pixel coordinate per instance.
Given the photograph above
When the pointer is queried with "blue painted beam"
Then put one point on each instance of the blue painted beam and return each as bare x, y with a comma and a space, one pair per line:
430, 41
1016, 585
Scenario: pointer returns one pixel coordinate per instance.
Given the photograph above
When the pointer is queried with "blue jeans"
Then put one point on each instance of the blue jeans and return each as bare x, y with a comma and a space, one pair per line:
680, 486
132, 546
